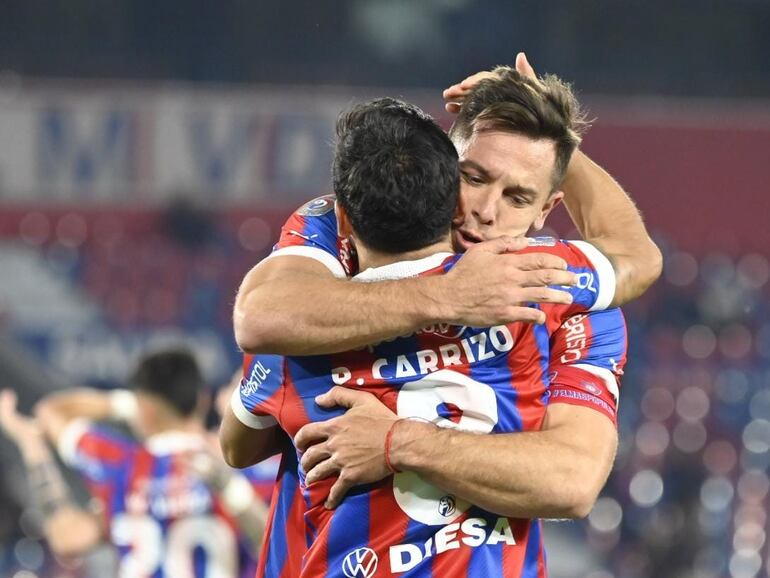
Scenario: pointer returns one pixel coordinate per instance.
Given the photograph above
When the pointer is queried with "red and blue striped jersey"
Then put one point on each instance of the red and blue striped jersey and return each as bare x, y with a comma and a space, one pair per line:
286, 541
588, 353
262, 477
163, 519
470, 378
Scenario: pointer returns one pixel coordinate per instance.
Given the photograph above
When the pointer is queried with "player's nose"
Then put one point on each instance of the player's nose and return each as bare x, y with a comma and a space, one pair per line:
483, 208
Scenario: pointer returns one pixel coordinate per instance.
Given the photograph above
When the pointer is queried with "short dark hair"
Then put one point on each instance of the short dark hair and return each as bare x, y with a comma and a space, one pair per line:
542, 108
396, 174
173, 375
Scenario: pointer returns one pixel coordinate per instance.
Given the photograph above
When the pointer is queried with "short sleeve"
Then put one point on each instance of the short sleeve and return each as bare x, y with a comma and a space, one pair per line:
588, 355
311, 231
595, 287
96, 452
257, 401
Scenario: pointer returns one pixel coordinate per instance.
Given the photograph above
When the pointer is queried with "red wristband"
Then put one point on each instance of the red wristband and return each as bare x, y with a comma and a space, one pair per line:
388, 440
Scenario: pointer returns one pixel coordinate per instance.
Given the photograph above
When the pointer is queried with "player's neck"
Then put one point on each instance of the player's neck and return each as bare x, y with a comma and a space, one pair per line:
368, 259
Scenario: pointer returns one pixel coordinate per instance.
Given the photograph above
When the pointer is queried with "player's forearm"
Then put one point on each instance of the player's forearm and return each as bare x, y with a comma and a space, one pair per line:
321, 315
56, 411
522, 475
252, 522
51, 497
65, 542
607, 217
243, 446
240, 501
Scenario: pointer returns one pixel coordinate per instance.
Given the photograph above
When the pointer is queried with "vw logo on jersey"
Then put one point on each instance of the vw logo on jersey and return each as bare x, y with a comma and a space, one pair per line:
361, 563
447, 506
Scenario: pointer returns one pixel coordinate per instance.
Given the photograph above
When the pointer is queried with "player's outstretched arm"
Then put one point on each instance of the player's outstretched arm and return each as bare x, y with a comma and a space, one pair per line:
602, 211
291, 305
70, 530
553, 473
55, 412
557, 472
607, 218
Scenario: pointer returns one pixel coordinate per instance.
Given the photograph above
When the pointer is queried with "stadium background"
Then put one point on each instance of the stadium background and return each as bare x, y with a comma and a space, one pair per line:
150, 151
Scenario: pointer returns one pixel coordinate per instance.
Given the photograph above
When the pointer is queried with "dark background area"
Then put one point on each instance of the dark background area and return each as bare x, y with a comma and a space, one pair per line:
661, 47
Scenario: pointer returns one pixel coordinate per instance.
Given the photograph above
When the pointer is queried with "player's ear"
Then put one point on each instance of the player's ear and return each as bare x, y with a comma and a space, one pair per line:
553, 200
344, 230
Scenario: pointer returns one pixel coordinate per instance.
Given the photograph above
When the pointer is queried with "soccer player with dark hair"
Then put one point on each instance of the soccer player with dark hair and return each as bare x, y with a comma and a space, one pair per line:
474, 378
165, 500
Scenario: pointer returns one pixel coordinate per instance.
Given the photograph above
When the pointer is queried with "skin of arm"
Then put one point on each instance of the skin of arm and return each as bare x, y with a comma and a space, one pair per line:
243, 446
557, 472
55, 412
235, 492
554, 473
608, 219
48, 488
290, 305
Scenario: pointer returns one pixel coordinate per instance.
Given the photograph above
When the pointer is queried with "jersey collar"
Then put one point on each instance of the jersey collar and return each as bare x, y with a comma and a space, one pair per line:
402, 269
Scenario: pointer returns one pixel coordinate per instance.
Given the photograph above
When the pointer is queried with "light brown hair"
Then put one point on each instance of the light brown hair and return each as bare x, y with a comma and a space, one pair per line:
542, 108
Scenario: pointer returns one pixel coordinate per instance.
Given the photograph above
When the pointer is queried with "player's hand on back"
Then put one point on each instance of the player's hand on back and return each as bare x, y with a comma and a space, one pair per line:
207, 462
489, 286
455, 94
351, 446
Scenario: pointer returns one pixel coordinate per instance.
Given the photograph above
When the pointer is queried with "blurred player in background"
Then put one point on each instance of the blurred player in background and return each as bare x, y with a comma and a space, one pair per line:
166, 502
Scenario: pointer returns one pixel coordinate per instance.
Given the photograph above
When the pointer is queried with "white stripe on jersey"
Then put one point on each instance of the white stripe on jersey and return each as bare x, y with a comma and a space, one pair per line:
605, 272
313, 253
246, 417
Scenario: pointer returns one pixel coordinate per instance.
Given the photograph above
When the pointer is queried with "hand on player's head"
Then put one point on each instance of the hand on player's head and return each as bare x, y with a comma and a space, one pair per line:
455, 94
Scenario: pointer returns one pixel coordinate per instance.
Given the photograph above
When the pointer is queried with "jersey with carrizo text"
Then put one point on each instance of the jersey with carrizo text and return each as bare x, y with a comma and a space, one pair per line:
164, 521
588, 352
484, 380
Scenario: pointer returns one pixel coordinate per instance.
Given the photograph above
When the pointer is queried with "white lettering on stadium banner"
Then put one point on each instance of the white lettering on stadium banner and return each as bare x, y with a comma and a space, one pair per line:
73, 143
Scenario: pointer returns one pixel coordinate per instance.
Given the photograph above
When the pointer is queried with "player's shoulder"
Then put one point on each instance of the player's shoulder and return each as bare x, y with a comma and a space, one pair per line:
84, 442
556, 246
315, 213
318, 206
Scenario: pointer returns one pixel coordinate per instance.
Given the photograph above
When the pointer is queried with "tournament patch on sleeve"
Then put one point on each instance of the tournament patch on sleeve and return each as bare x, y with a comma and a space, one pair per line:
311, 231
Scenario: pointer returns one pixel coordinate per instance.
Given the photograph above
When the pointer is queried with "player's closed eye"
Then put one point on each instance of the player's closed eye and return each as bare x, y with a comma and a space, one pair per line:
519, 200
473, 179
